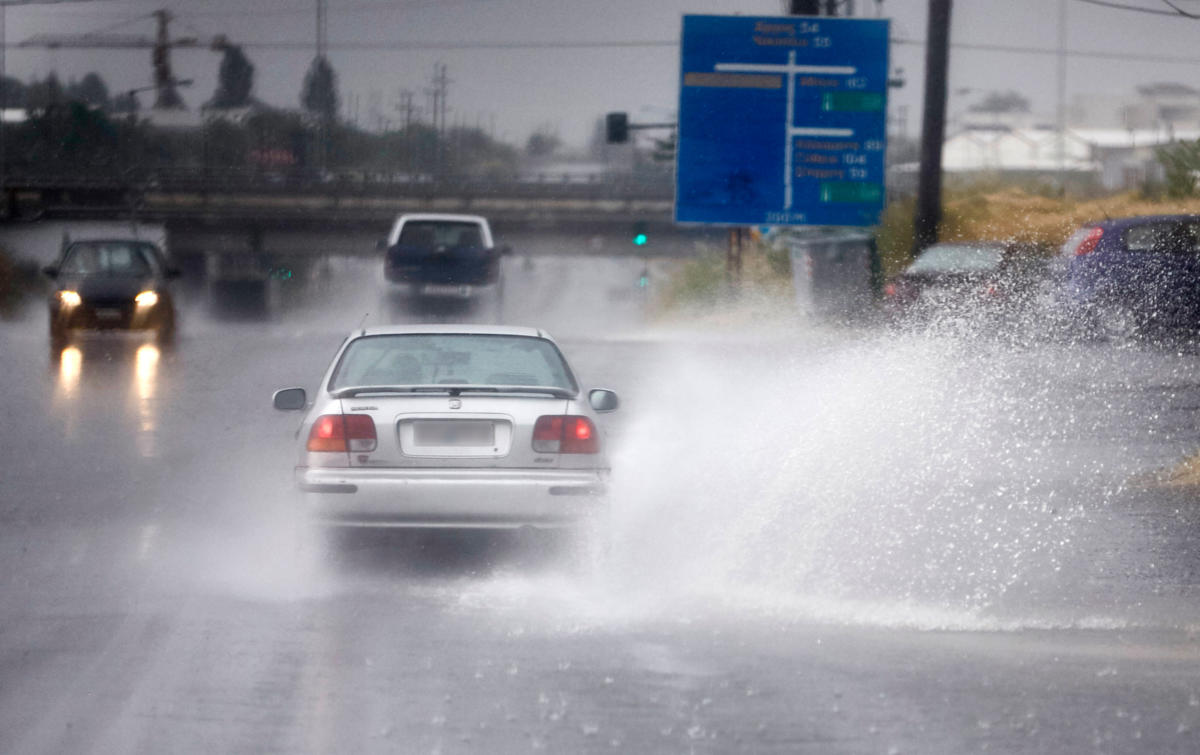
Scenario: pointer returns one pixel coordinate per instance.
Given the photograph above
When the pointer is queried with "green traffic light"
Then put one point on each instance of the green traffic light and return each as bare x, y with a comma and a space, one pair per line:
640, 239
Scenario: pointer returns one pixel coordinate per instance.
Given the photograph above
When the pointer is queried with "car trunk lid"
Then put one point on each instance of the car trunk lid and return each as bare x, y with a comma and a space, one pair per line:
447, 430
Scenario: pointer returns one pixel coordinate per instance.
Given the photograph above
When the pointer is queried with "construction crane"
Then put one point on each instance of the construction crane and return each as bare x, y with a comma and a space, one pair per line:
166, 97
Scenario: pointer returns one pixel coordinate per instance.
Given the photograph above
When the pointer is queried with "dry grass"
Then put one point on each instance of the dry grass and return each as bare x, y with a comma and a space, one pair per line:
1008, 213
1013, 214
699, 290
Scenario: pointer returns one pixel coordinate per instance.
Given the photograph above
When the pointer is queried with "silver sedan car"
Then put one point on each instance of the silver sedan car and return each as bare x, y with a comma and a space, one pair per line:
451, 426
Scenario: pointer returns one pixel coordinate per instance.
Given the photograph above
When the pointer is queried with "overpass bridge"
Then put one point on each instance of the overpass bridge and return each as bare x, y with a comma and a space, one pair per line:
309, 200
234, 225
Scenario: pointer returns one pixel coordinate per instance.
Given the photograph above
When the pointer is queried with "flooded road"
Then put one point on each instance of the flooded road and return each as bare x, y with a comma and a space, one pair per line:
823, 541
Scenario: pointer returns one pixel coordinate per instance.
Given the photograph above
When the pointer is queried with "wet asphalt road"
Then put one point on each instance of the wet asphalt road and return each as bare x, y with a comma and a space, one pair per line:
823, 542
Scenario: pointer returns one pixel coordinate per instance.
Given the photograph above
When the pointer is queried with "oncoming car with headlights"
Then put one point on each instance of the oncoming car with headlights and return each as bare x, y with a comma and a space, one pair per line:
112, 284
451, 426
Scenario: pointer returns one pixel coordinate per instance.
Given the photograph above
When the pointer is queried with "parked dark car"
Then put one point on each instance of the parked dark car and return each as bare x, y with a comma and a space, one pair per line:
111, 284
992, 277
1135, 275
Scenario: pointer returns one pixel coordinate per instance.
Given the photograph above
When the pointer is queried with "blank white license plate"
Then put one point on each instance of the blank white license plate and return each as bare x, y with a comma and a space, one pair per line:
436, 289
454, 432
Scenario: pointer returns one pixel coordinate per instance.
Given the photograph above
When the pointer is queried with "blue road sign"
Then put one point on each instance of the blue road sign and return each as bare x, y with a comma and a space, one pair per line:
782, 121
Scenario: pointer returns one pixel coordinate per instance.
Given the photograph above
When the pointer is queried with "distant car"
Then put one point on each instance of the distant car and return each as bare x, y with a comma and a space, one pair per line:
987, 277
1124, 276
111, 284
442, 254
449, 426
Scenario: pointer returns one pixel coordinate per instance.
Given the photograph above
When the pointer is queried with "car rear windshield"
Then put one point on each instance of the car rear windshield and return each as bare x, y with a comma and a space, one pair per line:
452, 359
957, 258
434, 234
1167, 236
108, 258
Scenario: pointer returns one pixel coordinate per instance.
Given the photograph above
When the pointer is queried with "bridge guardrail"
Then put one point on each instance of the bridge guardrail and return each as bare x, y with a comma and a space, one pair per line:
336, 183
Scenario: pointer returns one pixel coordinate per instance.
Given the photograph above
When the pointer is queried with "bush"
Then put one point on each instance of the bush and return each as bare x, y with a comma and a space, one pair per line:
697, 281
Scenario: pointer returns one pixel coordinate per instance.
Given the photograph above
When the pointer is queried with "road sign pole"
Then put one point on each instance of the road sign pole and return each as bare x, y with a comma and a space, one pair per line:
733, 260
933, 127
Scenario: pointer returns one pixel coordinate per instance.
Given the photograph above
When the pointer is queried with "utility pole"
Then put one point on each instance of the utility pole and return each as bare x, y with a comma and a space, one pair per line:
166, 97
437, 93
1061, 110
804, 7
933, 127
323, 126
819, 7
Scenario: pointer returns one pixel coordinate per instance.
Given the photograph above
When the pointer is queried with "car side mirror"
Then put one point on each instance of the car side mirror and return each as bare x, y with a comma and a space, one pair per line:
290, 399
50, 271
603, 400
505, 250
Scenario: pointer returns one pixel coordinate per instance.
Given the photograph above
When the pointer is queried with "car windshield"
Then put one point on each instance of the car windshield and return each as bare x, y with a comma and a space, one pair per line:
108, 258
452, 359
956, 258
431, 234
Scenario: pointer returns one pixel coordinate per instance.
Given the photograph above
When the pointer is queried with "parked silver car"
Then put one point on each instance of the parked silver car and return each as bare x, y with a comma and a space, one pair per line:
460, 426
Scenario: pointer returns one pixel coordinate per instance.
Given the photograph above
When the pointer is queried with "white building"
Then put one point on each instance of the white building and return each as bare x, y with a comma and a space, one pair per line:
1116, 159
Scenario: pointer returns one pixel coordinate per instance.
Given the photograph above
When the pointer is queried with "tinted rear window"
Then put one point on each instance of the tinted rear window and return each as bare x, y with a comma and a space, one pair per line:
452, 358
1166, 236
432, 234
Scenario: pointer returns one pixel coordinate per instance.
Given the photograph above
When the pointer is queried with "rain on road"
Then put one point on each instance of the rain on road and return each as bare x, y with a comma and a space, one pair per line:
823, 540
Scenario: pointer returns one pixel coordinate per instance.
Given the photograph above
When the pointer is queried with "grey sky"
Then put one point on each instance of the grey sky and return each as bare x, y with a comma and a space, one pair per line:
516, 89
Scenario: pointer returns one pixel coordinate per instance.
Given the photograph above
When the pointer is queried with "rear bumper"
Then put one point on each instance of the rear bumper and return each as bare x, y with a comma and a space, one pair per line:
452, 498
443, 272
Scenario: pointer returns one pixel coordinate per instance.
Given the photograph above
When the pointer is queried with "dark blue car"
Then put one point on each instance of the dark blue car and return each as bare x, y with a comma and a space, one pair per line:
1138, 275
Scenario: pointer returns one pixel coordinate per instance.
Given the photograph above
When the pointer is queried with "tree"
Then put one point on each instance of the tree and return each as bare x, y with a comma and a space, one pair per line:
45, 94
319, 95
1002, 102
90, 90
12, 92
235, 80
1181, 164
542, 143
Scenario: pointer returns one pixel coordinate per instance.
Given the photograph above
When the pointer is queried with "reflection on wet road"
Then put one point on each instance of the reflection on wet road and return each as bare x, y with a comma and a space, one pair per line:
824, 541
106, 363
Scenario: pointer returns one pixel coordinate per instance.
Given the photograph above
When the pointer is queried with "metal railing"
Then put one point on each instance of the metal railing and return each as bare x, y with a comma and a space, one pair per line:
199, 179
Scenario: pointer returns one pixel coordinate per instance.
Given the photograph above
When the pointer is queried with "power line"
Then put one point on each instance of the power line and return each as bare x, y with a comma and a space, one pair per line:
399, 46
1179, 10
671, 43
1138, 8
1096, 54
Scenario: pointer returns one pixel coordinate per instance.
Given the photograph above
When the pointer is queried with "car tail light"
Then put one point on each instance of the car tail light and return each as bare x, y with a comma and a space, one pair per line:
565, 434
889, 289
342, 432
1088, 244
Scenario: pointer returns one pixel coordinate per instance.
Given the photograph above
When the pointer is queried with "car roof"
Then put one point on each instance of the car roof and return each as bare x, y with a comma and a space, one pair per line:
112, 240
970, 243
1140, 220
442, 216
453, 328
